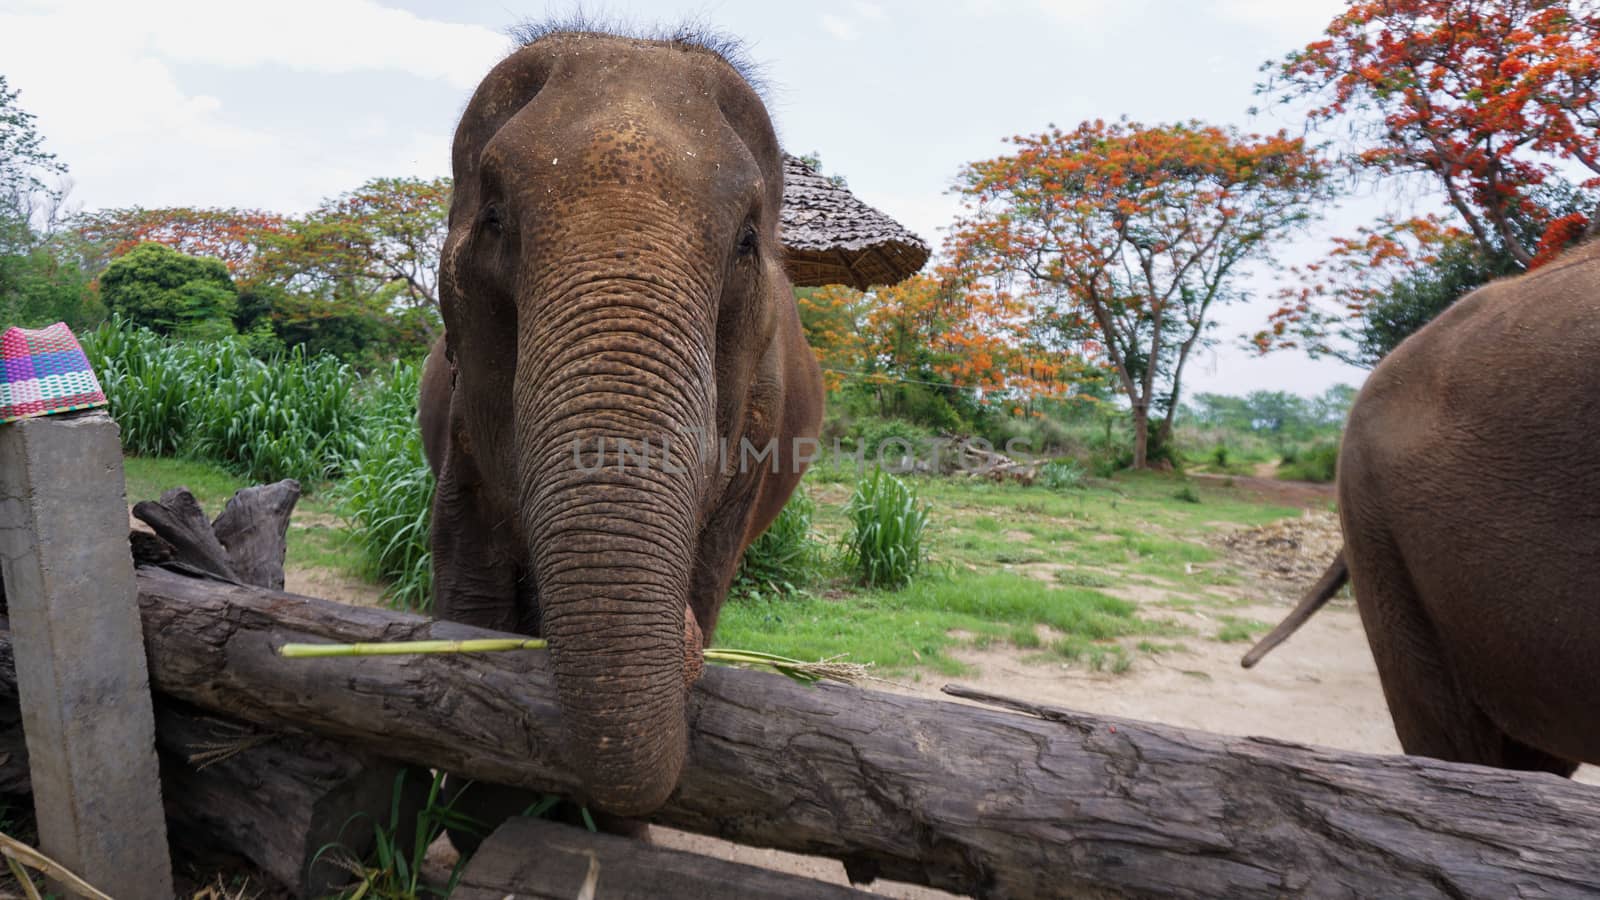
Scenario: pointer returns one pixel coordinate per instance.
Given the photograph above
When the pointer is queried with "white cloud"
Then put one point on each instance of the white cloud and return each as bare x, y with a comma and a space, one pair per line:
840, 27
1079, 11
327, 36
868, 10
1299, 21
102, 78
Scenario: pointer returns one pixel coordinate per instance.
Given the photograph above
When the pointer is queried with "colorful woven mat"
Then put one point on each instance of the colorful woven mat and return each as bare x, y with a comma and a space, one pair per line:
45, 372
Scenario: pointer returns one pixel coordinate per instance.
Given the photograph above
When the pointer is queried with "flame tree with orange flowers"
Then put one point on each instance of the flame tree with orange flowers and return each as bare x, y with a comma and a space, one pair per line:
958, 333
1495, 104
1140, 233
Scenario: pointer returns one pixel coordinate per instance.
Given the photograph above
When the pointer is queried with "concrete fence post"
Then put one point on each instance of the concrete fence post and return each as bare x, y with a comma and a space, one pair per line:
81, 674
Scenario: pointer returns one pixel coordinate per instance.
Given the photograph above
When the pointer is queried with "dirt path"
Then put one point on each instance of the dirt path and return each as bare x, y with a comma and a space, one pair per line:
1304, 494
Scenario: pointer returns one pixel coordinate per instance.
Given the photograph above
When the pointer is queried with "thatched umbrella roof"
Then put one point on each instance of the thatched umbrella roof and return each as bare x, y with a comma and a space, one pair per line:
833, 238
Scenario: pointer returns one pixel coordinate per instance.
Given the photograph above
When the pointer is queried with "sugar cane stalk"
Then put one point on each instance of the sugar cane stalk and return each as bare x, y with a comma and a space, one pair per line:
830, 669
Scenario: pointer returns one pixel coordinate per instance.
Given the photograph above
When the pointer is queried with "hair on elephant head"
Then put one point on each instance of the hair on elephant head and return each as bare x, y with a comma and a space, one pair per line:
616, 315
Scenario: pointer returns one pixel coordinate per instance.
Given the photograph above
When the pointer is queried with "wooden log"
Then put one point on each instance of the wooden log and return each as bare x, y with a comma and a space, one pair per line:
147, 546
973, 800
13, 747
178, 519
280, 799
254, 528
275, 799
541, 860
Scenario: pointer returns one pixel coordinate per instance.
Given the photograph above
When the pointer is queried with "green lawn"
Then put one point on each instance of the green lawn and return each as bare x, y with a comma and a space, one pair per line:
1025, 566
1093, 576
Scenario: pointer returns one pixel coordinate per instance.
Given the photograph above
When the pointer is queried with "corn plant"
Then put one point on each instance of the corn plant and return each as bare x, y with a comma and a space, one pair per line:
285, 417
289, 416
888, 526
147, 385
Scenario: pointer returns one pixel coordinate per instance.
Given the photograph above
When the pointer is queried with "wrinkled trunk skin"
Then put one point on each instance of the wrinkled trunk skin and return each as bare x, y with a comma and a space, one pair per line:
611, 538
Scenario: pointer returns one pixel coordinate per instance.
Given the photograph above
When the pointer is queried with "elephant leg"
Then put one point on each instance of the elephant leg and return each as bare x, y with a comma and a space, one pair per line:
1434, 715
474, 560
475, 581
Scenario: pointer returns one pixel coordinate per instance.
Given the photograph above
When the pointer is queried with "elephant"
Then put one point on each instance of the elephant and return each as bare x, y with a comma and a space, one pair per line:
618, 329
1469, 500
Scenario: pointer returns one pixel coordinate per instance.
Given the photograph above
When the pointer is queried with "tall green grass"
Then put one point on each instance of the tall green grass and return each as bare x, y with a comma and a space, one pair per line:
387, 490
786, 556
885, 545
287, 416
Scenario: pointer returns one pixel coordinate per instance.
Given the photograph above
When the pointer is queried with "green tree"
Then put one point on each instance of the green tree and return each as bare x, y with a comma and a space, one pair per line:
382, 239
1332, 406
24, 163
42, 279
1413, 300
1139, 233
45, 285
170, 292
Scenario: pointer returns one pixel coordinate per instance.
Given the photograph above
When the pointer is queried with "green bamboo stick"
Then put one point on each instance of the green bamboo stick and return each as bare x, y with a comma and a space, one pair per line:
830, 669
407, 648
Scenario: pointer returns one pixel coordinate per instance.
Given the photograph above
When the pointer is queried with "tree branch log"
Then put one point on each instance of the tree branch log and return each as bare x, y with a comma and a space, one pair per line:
964, 798
254, 530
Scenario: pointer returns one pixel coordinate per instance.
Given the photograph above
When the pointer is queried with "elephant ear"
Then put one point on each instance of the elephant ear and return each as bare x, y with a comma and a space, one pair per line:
831, 237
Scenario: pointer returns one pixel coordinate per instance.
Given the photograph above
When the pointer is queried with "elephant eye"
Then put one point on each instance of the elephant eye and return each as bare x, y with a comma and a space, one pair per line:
748, 239
489, 218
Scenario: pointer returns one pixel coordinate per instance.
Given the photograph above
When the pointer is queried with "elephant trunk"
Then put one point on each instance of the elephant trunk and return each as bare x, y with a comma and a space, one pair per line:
612, 386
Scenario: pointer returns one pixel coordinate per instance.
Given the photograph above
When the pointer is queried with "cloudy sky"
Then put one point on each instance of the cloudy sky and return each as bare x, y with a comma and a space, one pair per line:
276, 105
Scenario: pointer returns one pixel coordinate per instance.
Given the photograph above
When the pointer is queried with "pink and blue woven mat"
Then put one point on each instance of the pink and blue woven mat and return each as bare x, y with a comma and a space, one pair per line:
45, 372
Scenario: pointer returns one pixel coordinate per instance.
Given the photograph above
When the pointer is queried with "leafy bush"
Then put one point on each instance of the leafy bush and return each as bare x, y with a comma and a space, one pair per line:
1317, 463
870, 436
387, 489
1063, 475
785, 557
888, 525
169, 292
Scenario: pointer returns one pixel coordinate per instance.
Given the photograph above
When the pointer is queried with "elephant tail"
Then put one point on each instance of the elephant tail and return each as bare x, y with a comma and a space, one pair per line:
1329, 584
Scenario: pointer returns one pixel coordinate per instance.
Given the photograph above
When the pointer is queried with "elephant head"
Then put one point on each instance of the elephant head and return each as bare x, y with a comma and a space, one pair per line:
612, 278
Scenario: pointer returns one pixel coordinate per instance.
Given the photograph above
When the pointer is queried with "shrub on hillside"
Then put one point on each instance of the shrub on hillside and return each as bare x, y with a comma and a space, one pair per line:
1317, 463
